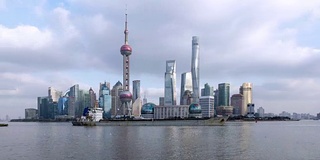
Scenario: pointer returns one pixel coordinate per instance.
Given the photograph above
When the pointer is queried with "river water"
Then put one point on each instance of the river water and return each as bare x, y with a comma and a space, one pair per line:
236, 140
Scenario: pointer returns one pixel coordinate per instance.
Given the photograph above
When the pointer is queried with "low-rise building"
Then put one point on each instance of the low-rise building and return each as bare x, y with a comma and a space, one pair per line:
171, 111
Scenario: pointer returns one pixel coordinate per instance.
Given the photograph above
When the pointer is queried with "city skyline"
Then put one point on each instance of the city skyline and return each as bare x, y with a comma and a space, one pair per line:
62, 43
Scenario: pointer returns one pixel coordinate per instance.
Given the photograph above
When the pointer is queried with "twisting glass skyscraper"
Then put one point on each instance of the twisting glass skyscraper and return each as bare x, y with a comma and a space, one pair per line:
170, 83
195, 68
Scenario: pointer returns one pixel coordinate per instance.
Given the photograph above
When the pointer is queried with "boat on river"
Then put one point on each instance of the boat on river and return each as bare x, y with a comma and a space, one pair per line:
3, 125
215, 121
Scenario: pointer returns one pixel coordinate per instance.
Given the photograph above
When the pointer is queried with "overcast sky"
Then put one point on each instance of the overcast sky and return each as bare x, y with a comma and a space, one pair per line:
273, 44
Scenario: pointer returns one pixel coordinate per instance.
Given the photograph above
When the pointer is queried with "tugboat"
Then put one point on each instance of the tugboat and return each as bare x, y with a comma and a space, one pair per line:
3, 125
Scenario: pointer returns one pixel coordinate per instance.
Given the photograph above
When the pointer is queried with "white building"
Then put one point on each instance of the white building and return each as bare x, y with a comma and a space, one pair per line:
246, 91
172, 111
207, 106
260, 111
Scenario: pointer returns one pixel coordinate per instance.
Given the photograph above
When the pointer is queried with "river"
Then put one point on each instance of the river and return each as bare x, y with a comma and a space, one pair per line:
236, 140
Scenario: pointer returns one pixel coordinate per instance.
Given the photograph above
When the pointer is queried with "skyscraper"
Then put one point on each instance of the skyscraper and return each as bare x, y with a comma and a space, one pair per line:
224, 94
116, 108
135, 90
93, 98
186, 84
126, 50
207, 103
170, 83
73, 101
105, 100
246, 91
236, 102
195, 68
207, 90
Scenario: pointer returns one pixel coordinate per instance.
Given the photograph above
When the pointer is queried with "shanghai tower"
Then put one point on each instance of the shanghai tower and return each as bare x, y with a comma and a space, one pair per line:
195, 68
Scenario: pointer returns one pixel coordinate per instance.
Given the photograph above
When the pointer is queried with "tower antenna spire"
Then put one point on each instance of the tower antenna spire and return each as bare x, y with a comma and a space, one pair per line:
126, 32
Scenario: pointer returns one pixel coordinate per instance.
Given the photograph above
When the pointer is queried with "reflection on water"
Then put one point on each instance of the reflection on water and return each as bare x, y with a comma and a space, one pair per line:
236, 140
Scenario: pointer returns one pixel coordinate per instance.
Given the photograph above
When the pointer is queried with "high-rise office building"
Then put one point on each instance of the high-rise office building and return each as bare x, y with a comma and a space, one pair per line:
30, 113
186, 85
161, 101
170, 83
105, 100
246, 91
93, 98
224, 94
236, 102
216, 100
135, 90
116, 108
126, 50
260, 111
195, 69
207, 90
53, 94
207, 106
43, 105
102, 86
186, 98
73, 101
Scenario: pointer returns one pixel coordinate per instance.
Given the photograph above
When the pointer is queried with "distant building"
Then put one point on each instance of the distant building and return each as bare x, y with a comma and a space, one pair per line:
43, 107
207, 106
186, 85
318, 116
73, 101
216, 101
136, 107
187, 98
105, 100
285, 114
260, 111
296, 116
161, 101
53, 94
173, 111
224, 94
116, 108
145, 100
170, 83
30, 113
135, 90
93, 98
250, 110
246, 91
236, 102
207, 90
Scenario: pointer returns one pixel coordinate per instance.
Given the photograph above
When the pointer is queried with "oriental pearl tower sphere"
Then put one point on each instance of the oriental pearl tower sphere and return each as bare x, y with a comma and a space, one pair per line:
126, 50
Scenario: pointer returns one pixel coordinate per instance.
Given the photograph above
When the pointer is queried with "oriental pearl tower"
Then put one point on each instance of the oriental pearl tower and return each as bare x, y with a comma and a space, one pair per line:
125, 95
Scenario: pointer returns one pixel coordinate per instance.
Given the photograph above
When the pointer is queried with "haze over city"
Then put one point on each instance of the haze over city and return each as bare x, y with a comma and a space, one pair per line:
272, 44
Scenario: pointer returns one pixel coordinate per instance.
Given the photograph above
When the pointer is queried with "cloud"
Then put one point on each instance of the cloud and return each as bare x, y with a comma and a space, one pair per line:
258, 42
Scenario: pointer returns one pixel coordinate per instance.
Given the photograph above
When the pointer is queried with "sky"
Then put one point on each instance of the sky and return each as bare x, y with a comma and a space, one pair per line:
273, 44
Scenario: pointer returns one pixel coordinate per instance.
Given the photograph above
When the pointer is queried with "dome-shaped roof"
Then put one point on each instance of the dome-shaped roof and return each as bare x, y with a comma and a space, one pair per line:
195, 108
126, 50
148, 108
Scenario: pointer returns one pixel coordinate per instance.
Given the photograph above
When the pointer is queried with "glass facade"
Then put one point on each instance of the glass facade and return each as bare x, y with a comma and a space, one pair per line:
224, 94
195, 68
170, 83
186, 84
148, 108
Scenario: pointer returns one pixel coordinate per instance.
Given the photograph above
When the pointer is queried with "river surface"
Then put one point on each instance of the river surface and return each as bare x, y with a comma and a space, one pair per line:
236, 140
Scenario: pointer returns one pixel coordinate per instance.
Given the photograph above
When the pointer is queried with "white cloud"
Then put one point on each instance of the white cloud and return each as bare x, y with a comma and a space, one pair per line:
249, 41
